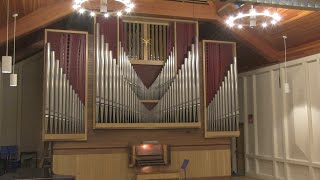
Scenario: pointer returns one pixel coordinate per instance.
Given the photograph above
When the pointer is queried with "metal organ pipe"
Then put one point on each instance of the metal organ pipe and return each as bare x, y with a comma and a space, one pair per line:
64, 111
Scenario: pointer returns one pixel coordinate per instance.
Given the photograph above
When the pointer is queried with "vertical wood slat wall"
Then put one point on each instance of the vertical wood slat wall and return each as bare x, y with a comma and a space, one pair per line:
205, 163
282, 130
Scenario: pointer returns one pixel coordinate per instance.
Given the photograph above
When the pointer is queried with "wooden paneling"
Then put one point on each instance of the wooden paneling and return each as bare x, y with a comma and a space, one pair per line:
203, 163
22, 7
38, 19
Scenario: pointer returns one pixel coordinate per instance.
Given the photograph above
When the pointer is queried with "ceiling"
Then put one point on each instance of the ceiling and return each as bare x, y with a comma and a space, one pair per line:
258, 47
22, 7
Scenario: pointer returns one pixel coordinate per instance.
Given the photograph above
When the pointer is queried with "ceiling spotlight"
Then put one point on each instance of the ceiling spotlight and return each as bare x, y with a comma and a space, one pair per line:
119, 13
240, 26
273, 22
92, 14
106, 15
264, 25
81, 11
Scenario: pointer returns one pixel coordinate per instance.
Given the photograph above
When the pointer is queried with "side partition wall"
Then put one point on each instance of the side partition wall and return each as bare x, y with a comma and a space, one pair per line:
282, 130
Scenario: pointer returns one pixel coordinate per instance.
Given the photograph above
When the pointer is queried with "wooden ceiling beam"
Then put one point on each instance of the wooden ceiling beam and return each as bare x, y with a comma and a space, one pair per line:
38, 19
172, 9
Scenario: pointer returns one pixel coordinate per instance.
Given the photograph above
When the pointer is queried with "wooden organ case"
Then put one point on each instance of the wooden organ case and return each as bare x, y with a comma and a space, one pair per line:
65, 85
221, 111
146, 73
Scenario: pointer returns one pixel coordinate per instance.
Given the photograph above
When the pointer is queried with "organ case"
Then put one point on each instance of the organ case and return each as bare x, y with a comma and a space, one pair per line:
121, 93
65, 85
221, 111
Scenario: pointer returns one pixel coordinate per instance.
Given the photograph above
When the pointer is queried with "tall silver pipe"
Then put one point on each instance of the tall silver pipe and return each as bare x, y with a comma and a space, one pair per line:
48, 89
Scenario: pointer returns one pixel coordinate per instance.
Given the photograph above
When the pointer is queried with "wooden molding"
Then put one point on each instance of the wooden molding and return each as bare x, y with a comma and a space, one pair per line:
220, 134
147, 62
147, 125
64, 137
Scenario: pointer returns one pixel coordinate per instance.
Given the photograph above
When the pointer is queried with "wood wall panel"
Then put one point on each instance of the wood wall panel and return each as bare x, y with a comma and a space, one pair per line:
203, 163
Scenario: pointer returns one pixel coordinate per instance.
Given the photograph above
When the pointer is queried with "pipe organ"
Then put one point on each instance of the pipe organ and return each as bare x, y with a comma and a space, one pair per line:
121, 98
65, 85
121, 95
220, 89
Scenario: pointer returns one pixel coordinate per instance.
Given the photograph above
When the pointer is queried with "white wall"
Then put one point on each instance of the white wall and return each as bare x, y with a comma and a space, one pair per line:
283, 142
21, 107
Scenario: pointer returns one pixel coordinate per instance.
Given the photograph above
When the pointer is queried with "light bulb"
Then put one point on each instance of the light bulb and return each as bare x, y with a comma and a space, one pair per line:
92, 14
264, 25
240, 15
119, 13
240, 26
131, 5
75, 6
128, 10
231, 24
106, 15
81, 11
273, 22
6, 64
276, 17
13, 80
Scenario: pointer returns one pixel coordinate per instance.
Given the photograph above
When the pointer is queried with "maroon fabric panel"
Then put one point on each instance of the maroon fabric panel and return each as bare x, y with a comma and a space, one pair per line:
123, 35
108, 28
219, 56
185, 33
70, 50
170, 38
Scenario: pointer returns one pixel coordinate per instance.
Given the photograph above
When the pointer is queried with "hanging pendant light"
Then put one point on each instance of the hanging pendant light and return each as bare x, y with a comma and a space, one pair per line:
13, 76
7, 60
286, 84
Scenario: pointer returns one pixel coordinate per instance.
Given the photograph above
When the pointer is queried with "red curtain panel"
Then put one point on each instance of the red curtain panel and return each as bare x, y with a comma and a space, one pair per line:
219, 57
70, 50
170, 38
108, 28
185, 33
